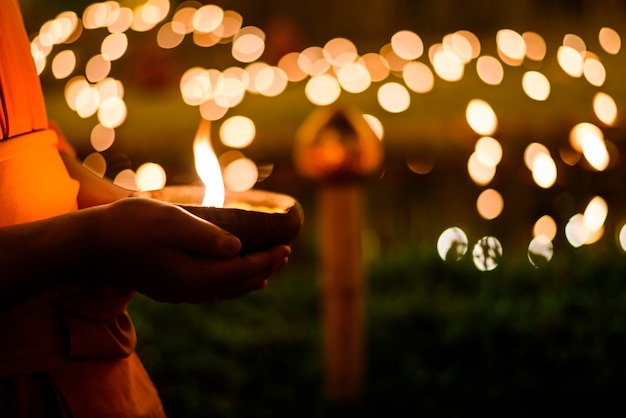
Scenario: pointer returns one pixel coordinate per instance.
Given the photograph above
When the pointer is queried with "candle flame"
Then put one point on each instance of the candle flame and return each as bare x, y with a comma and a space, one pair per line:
208, 167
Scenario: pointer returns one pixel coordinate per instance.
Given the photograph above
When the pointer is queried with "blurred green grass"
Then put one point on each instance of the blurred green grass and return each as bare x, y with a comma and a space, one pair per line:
441, 339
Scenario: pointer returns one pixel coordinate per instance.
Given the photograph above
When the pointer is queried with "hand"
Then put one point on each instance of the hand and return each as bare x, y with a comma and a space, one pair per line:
144, 245
169, 255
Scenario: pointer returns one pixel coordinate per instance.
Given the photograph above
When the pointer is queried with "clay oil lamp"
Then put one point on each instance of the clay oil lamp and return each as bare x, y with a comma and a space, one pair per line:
260, 219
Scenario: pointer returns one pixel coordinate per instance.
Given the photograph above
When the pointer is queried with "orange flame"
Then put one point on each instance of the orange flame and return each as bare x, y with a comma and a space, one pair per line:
208, 167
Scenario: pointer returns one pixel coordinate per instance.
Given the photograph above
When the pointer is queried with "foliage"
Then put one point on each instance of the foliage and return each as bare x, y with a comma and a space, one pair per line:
442, 339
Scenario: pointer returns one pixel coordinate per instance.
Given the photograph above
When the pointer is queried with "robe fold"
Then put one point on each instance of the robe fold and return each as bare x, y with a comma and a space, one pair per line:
61, 355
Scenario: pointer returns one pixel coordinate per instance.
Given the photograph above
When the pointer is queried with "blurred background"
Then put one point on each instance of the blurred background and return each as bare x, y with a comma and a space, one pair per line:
491, 234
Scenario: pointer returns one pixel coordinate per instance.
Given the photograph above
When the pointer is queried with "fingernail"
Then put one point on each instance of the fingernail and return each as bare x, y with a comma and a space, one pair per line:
232, 244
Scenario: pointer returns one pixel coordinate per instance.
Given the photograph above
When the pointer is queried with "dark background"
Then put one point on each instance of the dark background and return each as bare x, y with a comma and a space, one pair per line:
443, 339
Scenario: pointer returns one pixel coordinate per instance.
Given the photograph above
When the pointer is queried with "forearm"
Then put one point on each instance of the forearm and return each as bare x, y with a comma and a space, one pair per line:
44, 255
152, 247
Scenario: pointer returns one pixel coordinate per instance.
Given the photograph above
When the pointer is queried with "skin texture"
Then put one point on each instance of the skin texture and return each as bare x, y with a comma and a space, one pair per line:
144, 245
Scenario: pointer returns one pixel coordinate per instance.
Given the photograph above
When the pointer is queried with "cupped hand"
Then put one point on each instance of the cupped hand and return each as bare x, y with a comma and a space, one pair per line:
170, 255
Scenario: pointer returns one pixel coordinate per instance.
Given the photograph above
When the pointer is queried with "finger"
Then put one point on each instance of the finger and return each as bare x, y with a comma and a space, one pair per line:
234, 275
251, 284
251, 265
198, 235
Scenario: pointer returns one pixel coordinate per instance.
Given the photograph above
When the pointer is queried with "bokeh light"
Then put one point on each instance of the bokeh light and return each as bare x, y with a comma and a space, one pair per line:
150, 176
322, 90
596, 152
126, 179
354, 77
420, 164
448, 65
595, 213
112, 112
182, 21
375, 124
489, 70
571, 61
207, 18
511, 46
407, 45
487, 253
313, 62
249, 44
490, 204
544, 170
289, 64
539, 161
122, 21
270, 81
146, 16
171, 35
535, 46
210, 110
546, 226
95, 163
340, 52
418, 77
540, 251
580, 132
463, 44
87, 101
240, 175
237, 131
97, 69
395, 62
102, 137
60, 29
63, 64
231, 24
481, 117
114, 46
396, 70
480, 173
488, 151
536, 85
377, 66
452, 244
594, 71
605, 108
196, 86
472, 41
574, 41
394, 97
576, 232
621, 237
588, 227
610, 40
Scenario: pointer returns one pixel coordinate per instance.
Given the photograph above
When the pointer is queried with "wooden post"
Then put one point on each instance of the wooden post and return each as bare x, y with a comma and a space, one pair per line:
343, 288
337, 147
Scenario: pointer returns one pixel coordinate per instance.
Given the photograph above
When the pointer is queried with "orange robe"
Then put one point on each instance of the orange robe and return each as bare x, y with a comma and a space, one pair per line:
61, 355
